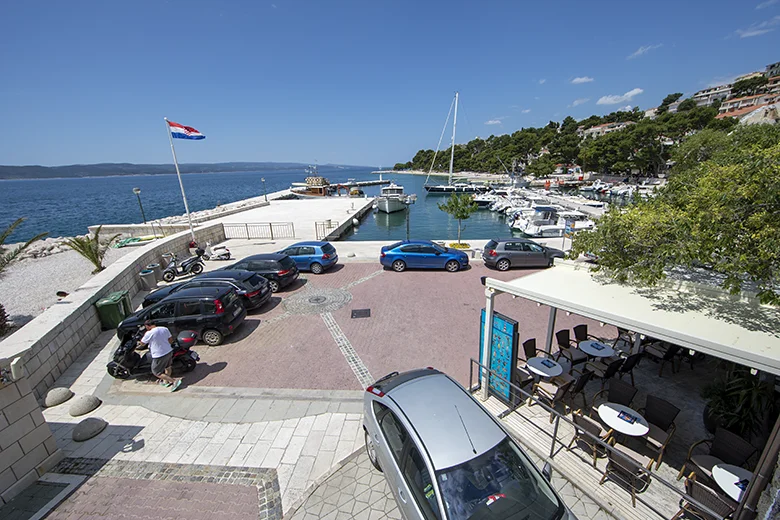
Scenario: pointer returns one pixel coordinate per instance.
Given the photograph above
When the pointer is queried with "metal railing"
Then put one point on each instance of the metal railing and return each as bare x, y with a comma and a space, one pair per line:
522, 409
270, 230
324, 228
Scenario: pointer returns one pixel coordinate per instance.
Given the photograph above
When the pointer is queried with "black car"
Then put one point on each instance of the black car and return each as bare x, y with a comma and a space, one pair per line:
503, 253
212, 312
251, 287
279, 269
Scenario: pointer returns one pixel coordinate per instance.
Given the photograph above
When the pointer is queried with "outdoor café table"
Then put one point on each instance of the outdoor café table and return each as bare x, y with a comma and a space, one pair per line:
596, 349
544, 367
727, 476
610, 414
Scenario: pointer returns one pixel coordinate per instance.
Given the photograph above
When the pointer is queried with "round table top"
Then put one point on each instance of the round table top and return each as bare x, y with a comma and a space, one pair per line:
544, 367
609, 413
591, 348
727, 476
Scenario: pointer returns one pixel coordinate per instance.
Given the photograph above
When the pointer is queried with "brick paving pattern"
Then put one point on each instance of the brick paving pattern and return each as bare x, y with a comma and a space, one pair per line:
27, 503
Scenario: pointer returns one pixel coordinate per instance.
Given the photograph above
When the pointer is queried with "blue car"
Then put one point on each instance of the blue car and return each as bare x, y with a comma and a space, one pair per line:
422, 254
312, 256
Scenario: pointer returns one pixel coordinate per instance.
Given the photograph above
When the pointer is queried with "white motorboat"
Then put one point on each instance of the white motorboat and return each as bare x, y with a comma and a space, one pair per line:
391, 198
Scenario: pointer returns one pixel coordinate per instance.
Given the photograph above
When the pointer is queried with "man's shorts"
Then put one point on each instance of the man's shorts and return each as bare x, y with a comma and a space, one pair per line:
160, 364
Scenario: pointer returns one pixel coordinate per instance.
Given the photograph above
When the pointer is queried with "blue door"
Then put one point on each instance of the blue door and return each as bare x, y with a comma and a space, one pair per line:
430, 257
293, 252
411, 255
304, 257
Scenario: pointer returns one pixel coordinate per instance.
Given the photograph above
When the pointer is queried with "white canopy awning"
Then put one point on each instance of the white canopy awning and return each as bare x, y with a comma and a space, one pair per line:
701, 317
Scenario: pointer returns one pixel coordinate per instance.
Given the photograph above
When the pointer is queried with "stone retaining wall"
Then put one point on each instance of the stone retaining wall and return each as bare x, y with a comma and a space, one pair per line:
49, 344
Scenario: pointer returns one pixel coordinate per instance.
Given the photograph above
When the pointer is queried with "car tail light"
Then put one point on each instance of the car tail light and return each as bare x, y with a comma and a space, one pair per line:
252, 294
282, 273
218, 306
325, 256
491, 252
376, 391
382, 254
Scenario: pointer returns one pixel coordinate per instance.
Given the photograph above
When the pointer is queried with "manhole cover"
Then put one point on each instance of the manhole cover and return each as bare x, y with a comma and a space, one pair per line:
317, 301
361, 313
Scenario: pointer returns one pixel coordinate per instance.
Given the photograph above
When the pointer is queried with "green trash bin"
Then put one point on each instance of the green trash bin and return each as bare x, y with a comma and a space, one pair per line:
111, 310
127, 305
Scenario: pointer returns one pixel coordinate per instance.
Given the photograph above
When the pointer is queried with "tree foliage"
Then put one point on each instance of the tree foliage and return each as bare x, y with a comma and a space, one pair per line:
92, 248
749, 86
460, 207
7, 256
544, 166
720, 210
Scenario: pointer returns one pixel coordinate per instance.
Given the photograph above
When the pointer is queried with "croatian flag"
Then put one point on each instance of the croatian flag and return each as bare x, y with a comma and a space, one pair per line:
184, 132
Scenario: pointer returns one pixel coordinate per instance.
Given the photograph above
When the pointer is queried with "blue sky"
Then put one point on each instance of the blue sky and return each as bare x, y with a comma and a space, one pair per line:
350, 82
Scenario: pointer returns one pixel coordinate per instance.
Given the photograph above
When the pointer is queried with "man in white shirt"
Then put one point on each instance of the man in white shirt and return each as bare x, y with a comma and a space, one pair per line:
159, 340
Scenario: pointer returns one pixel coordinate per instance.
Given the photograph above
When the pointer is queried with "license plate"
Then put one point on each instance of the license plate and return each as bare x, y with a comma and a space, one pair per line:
194, 355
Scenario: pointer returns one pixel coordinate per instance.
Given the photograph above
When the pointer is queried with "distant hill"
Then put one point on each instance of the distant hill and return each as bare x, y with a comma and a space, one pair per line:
109, 169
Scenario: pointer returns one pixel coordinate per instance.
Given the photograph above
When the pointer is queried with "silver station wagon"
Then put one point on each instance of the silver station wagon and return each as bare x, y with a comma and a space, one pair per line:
446, 457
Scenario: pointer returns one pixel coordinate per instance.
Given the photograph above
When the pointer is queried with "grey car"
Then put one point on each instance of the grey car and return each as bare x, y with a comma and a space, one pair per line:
503, 253
445, 456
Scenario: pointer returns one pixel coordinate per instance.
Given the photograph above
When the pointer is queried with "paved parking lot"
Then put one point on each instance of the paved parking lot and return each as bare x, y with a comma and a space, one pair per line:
306, 338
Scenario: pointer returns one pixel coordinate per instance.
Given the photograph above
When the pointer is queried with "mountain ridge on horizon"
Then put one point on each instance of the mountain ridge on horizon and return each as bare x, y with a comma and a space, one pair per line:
9, 172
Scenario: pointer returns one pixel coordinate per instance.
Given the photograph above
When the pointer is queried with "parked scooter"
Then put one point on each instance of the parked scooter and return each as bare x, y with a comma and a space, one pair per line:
192, 265
128, 363
217, 252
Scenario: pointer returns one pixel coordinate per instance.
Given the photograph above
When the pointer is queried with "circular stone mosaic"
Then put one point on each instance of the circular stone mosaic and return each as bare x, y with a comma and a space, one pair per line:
317, 301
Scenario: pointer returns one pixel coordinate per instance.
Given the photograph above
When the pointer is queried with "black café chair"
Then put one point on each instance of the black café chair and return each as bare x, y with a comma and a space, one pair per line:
725, 447
660, 415
628, 366
581, 333
663, 352
604, 371
618, 392
706, 497
568, 349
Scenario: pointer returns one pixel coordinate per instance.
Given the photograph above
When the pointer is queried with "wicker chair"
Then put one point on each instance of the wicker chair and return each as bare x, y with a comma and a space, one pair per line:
583, 441
530, 350
624, 467
618, 392
628, 366
604, 371
706, 497
578, 388
725, 447
568, 349
625, 336
581, 333
663, 352
550, 392
660, 415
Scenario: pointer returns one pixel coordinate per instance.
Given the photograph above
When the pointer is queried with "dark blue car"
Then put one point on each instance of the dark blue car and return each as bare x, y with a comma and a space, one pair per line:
422, 254
312, 256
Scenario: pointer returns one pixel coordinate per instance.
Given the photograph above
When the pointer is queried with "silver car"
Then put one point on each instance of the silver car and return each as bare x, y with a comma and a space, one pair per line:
445, 456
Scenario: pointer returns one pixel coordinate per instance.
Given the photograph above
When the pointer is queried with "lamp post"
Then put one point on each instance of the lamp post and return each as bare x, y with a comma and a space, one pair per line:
409, 200
137, 192
265, 194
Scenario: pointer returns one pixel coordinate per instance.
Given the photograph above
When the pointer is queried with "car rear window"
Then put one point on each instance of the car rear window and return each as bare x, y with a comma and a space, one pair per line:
491, 245
256, 281
287, 262
229, 299
393, 246
328, 248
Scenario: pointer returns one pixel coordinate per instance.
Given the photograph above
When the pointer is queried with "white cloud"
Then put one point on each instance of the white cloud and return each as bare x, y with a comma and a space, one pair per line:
757, 29
579, 101
526, 110
580, 80
542, 81
273, 5
768, 3
644, 49
626, 108
614, 99
493, 122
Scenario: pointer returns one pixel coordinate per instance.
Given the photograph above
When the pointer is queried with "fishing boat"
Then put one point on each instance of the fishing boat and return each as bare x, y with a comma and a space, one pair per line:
391, 198
315, 186
450, 188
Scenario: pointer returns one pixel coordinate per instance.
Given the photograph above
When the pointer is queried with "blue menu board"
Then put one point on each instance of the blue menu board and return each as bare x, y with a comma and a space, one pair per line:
503, 354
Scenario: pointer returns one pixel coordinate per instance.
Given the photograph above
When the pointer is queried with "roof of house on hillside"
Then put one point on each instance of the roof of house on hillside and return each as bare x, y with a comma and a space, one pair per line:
743, 98
740, 111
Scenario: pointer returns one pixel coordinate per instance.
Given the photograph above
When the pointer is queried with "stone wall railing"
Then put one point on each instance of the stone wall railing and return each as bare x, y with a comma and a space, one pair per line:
46, 346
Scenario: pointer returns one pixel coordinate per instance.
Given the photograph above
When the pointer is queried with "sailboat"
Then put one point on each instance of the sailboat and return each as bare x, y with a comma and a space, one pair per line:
458, 187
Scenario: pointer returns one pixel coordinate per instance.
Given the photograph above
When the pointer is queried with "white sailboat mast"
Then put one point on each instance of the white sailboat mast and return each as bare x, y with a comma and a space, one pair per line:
452, 152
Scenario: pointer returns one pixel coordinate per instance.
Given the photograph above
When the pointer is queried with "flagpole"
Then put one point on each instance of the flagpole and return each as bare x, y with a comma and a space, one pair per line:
178, 174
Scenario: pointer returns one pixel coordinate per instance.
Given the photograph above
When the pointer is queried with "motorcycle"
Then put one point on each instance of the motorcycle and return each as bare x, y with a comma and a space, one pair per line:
128, 363
192, 265
216, 253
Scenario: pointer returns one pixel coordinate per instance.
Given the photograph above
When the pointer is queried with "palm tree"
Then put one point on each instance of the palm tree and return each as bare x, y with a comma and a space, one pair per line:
9, 255
92, 248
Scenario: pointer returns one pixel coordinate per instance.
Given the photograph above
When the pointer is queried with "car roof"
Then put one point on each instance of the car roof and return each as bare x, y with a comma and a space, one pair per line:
200, 292
310, 243
438, 409
406, 242
238, 274
512, 239
265, 256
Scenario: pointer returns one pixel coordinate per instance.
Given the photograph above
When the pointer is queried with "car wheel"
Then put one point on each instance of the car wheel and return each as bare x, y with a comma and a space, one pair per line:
550, 262
274, 285
168, 276
371, 451
118, 371
399, 266
212, 337
316, 268
197, 269
452, 266
503, 264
